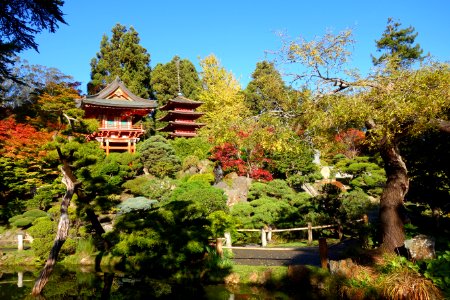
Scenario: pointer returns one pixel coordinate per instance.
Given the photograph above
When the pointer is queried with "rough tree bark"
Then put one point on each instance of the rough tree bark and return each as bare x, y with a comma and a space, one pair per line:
391, 202
71, 184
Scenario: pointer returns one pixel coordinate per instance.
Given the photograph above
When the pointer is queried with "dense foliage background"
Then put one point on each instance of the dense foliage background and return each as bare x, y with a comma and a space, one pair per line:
160, 208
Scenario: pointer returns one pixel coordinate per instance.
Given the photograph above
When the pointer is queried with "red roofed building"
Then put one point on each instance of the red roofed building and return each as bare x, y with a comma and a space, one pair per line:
119, 112
181, 116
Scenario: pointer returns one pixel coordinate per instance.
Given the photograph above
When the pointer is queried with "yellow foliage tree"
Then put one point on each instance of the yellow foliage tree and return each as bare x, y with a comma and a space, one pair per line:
223, 100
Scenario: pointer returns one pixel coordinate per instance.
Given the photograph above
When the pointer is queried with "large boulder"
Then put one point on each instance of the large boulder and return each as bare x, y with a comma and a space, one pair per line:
421, 247
236, 189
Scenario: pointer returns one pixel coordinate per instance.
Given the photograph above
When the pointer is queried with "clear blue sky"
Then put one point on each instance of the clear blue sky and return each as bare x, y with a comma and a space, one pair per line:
237, 32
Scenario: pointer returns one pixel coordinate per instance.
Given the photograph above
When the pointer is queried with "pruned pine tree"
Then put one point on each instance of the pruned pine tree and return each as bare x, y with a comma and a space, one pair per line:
390, 105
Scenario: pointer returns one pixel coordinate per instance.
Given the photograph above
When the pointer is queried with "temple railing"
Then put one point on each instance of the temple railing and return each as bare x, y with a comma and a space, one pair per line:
121, 126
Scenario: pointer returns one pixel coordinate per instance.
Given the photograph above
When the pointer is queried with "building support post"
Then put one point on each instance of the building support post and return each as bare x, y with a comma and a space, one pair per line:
107, 147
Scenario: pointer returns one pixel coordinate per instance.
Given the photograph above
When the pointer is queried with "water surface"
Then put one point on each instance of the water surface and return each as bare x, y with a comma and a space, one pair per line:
84, 283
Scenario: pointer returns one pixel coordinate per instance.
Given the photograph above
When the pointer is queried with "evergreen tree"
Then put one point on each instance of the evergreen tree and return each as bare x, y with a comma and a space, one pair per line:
121, 56
165, 80
158, 157
398, 45
20, 20
267, 90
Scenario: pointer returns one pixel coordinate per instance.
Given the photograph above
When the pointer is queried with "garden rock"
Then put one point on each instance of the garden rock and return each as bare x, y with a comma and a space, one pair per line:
238, 190
345, 267
421, 247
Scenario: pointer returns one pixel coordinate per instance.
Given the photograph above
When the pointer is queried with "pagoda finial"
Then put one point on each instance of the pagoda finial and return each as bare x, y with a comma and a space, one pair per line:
178, 76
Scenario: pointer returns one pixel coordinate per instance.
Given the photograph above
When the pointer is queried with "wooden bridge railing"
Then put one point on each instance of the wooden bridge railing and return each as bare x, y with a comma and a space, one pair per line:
20, 241
266, 235
267, 231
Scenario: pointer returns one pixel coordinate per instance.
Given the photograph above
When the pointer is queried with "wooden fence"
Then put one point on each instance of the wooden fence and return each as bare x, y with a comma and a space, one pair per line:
266, 236
267, 231
20, 242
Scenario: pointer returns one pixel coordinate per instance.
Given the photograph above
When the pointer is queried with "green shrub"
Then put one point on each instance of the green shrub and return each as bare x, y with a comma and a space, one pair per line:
190, 161
209, 198
166, 242
45, 195
367, 174
197, 146
158, 157
296, 181
277, 188
15, 218
25, 219
207, 178
262, 212
43, 232
354, 205
35, 213
22, 222
438, 270
268, 211
138, 203
135, 185
221, 222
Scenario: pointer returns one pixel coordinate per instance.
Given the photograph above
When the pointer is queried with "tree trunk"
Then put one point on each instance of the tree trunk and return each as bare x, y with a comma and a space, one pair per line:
391, 203
63, 229
97, 226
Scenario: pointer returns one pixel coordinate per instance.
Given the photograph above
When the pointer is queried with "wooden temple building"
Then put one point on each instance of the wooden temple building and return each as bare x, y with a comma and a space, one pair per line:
181, 117
119, 112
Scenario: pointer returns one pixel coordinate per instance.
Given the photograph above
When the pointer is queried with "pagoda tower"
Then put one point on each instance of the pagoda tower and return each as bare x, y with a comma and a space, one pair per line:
119, 112
181, 116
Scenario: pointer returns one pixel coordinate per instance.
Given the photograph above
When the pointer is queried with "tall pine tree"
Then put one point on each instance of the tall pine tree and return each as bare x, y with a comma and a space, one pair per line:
267, 91
398, 46
122, 56
165, 80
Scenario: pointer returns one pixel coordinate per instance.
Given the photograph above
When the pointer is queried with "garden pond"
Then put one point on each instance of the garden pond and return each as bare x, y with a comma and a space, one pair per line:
84, 283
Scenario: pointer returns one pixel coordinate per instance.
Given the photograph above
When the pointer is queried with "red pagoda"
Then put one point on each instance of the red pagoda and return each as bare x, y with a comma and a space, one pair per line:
181, 117
119, 112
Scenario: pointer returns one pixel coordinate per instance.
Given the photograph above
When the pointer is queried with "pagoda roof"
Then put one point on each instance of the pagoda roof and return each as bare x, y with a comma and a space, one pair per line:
117, 95
173, 114
180, 101
183, 134
172, 126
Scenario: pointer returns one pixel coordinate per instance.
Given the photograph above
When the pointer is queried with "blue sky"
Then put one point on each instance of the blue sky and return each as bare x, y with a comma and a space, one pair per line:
238, 32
